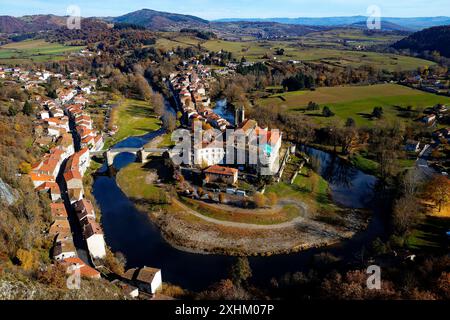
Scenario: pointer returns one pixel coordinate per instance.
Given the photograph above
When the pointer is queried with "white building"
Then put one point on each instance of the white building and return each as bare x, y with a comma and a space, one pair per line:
93, 234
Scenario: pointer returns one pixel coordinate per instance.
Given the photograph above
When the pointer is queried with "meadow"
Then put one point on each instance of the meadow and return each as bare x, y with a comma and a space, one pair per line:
355, 102
133, 118
30, 51
333, 47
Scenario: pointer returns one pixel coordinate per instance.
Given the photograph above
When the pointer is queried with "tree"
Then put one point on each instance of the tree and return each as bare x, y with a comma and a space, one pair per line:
326, 112
406, 214
312, 106
157, 102
259, 199
169, 122
24, 167
377, 112
26, 259
438, 190
222, 198
272, 198
12, 111
350, 123
241, 270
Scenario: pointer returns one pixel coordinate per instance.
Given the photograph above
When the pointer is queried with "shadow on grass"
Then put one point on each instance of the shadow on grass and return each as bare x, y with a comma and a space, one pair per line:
431, 235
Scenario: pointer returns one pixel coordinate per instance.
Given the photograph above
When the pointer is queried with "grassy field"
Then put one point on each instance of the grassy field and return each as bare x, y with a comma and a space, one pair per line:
133, 180
356, 102
34, 51
325, 47
285, 214
254, 51
308, 187
134, 118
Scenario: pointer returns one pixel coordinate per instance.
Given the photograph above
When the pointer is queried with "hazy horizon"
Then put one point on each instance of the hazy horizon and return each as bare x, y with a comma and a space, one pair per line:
235, 9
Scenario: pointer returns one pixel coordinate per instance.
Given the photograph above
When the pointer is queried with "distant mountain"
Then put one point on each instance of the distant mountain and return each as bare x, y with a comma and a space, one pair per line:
33, 23
432, 39
156, 20
261, 29
385, 26
11, 25
408, 23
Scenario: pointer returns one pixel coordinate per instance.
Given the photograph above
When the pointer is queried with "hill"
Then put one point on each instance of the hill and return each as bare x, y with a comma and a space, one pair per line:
161, 21
34, 23
413, 24
432, 39
11, 25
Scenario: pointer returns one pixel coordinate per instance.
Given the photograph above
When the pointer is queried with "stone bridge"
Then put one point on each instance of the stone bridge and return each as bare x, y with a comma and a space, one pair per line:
140, 153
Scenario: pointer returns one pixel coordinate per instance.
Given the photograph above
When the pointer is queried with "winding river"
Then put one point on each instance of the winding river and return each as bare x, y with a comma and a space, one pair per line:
131, 232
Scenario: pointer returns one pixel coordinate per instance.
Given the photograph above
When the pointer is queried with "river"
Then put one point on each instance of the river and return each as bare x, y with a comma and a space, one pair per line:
131, 232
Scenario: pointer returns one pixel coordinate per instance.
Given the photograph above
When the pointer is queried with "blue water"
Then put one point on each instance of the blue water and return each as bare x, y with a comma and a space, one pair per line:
131, 232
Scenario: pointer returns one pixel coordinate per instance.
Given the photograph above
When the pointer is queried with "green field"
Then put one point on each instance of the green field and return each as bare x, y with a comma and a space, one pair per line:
133, 181
34, 51
324, 47
133, 118
355, 102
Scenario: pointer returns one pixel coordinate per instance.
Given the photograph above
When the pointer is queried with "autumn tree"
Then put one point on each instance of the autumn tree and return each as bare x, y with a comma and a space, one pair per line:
438, 190
169, 122
157, 102
272, 198
259, 199
406, 213
26, 259
241, 270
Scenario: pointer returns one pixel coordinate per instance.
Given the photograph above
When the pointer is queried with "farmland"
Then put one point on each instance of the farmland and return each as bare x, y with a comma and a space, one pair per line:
355, 102
34, 51
334, 48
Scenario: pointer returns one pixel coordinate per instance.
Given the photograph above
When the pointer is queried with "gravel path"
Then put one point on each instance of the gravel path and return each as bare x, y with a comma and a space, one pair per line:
301, 220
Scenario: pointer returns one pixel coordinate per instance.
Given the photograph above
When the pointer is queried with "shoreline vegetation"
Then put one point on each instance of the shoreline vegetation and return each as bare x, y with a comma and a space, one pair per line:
194, 226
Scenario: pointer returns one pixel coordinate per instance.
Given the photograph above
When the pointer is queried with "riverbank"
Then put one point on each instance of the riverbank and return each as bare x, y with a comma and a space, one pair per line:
133, 118
288, 227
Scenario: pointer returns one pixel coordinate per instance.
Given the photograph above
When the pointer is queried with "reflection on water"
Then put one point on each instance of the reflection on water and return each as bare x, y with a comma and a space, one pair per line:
131, 232
221, 109
349, 186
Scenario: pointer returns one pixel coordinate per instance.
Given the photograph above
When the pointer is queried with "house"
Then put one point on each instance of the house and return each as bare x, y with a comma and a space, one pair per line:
63, 250
58, 211
43, 115
95, 240
52, 188
73, 179
76, 264
429, 119
127, 289
209, 153
220, 174
65, 144
39, 179
84, 160
98, 143
75, 194
60, 226
146, 279
412, 146
84, 209
51, 163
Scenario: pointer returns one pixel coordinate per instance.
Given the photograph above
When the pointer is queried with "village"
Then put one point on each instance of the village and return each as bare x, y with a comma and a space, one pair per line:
66, 130
192, 84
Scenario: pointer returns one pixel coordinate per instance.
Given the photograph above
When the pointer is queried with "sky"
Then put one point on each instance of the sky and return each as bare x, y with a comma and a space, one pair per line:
216, 9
